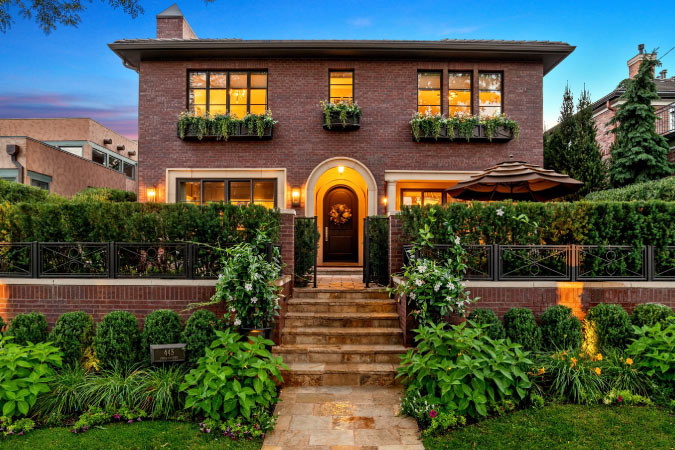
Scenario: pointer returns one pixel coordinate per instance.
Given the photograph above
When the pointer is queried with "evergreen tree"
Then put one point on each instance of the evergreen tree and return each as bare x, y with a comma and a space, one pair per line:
639, 153
557, 142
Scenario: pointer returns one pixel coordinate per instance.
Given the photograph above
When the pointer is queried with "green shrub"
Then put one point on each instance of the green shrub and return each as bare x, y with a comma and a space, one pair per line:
30, 327
521, 327
73, 333
200, 331
464, 371
560, 329
489, 321
234, 378
625, 397
654, 352
12, 192
118, 339
161, 396
612, 325
378, 233
2, 325
25, 371
574, 377
622, 374
663, 189
162, 326
100, 194
442, 422
306, 239
413, 404
650, 314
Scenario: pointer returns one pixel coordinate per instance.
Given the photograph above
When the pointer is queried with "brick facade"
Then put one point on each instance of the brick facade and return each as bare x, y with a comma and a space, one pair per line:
386, 91
604, 136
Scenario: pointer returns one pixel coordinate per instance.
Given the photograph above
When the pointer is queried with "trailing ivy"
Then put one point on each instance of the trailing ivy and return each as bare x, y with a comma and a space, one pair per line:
431, 125
222, 126
344, 110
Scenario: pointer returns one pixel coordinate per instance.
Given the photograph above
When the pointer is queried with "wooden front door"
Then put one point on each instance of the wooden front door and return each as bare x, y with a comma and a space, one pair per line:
340, 225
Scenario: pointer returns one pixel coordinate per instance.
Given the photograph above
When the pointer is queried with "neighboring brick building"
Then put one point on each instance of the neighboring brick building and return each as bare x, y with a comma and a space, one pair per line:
66, 156
371, 170
603, 108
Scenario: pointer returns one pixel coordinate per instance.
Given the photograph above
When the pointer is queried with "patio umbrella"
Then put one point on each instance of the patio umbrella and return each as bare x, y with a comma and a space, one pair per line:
516, 180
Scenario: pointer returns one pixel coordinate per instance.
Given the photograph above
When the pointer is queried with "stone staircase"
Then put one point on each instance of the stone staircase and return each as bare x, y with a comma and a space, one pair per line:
338, 337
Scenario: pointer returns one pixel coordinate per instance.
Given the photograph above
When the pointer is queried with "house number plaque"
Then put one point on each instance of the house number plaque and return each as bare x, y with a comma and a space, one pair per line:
167, 353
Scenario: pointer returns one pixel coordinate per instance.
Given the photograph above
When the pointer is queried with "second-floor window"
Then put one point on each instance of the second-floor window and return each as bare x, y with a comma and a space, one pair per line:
490, 93
341, 86
459, 93
221, 92
429, 92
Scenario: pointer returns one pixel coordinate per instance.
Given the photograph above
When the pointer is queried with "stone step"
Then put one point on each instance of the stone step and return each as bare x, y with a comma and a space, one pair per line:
340, 294
341, 336
353, 305
337, 271
340, 374
342, 319
340, 353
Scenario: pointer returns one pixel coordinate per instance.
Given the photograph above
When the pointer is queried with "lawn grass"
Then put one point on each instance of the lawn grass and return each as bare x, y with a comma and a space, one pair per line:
137, 436
568, 427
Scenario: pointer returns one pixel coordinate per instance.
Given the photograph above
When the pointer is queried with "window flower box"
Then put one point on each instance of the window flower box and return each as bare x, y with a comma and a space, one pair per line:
434, 127
341, 116
223, 127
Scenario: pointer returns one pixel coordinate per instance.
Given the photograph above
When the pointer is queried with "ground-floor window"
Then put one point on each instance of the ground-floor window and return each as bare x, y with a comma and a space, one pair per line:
39, 180
423, 197
237, 191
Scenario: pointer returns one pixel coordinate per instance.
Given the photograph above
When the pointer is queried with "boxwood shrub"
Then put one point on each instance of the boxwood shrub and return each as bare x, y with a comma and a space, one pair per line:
14, 193
73, 333
161, 327
200, 331
663, 189
560, 329
650, 314
30, 327
487, 317
612, 325
118, 339
101, 194
521, 327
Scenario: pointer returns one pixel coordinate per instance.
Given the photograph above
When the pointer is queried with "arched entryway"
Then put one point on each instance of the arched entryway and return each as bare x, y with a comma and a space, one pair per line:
341, 225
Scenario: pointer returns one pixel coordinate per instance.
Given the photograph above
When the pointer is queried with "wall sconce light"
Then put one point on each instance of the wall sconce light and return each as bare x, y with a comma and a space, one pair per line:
151, 194
385, 200
295, 197
341, 169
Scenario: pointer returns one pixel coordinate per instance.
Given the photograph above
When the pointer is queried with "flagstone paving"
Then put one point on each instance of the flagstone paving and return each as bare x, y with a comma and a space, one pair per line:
342, 418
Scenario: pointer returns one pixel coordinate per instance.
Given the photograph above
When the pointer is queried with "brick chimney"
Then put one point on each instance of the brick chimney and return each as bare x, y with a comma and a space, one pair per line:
663, 74
172, 25
635, 61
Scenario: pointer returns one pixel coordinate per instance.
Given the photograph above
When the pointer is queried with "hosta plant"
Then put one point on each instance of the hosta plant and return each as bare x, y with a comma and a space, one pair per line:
654, 352
343, 109
233, 378
465, 371
25, 372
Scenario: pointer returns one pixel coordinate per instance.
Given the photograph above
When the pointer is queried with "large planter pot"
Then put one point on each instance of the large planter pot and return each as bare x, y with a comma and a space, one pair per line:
352, 122
255, 332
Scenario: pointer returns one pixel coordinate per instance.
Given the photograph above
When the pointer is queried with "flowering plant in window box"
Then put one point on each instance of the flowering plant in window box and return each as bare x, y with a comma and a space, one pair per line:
348, 114
436, 126
224, 126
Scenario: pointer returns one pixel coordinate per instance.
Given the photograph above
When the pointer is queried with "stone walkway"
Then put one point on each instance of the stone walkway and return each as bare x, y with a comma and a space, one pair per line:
342, 418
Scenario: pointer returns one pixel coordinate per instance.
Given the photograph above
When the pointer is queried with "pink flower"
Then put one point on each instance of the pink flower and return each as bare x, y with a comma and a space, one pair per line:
130, 421
116, 416
433, 413
20, 433
208, 430
620, 399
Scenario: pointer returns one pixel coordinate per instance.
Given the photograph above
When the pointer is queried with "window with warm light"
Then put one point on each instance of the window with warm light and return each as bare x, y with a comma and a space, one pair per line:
459, 93
490, 97
429, 92
423, 197
341, 86
239, 192
222, 92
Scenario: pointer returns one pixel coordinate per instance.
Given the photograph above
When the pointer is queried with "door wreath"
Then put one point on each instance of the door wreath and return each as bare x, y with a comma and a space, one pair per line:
340, 214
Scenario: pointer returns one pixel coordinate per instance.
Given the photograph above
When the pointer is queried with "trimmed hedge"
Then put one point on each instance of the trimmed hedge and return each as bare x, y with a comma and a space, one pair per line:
161, 327
612, 325
200, 331
30, 327
136, 222
73, 333
650, 314
560, 329
15, 192
118, 340
495, 329
100, 194
521, 327
663, 189
553, 223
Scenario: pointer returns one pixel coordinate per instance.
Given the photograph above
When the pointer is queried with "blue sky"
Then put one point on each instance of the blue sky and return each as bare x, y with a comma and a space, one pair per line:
71, 72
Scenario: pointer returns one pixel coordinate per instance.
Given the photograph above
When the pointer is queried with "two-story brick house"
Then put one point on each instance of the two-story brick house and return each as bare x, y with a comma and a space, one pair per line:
303, 166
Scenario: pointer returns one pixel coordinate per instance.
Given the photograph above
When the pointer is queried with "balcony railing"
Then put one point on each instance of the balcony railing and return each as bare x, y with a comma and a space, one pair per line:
666, 124
559, 262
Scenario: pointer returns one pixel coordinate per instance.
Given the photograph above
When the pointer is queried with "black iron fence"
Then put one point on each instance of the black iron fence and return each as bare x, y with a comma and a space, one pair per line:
182, 260
559, 262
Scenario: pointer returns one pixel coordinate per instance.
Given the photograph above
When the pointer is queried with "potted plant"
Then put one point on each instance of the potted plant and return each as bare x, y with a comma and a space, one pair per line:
225, 126
247, 286
341, 115
463, 126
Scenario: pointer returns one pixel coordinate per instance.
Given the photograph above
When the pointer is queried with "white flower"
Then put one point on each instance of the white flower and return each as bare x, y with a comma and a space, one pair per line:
419, 282
422, 269
232, 309
237, 322
457, 241
500, 212
220, 277
412, 296
449, 285
254, 299
248, 287
437, 287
